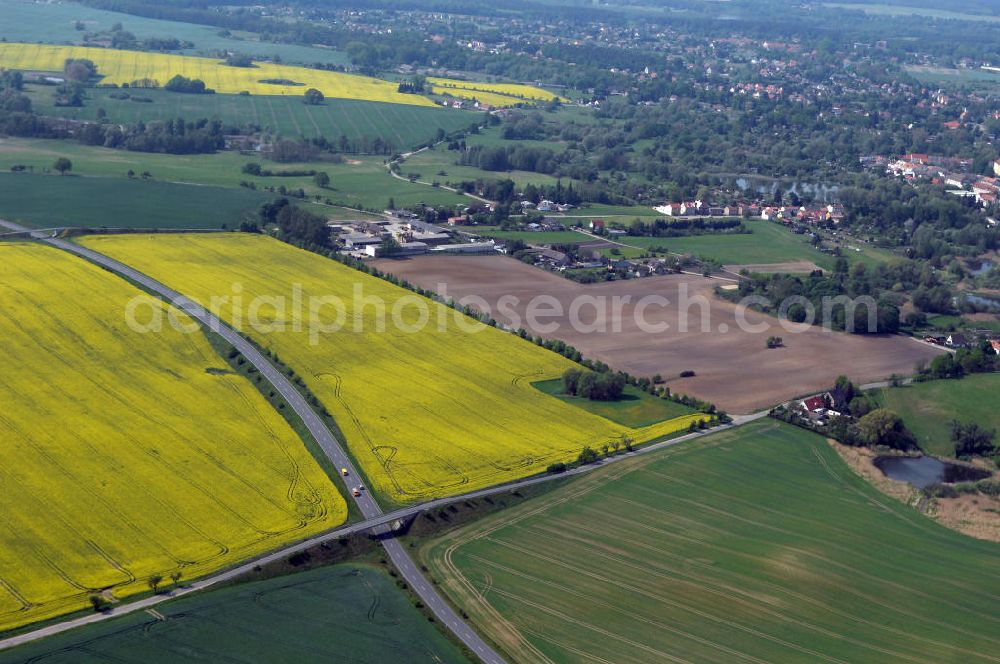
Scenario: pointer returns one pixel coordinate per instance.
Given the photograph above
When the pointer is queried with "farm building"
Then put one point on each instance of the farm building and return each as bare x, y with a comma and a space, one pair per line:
468, 248
404, 249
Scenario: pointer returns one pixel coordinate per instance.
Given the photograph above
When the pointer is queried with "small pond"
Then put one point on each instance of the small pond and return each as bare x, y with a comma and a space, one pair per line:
984, 267
766, 186
983, 302
924, 471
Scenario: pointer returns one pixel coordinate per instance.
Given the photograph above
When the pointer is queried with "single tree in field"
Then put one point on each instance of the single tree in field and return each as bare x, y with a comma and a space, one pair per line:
99, 602
176, 578
313, 97
63, 165
322, 179
154, 582
627, 442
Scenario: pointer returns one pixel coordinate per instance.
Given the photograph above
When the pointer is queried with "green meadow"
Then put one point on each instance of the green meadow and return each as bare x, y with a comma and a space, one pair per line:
757, 544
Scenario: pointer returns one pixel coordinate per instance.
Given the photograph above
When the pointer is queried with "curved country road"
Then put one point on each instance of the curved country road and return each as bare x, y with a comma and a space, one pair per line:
374, 519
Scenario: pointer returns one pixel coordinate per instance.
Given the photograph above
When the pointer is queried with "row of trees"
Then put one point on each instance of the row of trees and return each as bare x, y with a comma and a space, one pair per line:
168, 136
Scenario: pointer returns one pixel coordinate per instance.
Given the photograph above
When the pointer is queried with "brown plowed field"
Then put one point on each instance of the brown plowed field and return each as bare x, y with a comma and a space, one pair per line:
734, 369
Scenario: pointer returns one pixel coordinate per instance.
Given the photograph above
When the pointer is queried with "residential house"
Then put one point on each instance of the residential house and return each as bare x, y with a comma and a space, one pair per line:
814, 404
956, 340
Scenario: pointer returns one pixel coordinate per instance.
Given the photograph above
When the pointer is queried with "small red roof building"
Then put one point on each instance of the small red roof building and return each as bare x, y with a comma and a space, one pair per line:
813, 404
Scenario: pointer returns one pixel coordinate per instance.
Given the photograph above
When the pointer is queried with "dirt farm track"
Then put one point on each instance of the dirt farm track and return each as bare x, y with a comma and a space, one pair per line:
734, 368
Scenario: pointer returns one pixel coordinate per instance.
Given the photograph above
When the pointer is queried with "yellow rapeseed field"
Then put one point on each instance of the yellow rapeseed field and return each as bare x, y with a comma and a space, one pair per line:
121, 456
495, 94
125, 67
426, 413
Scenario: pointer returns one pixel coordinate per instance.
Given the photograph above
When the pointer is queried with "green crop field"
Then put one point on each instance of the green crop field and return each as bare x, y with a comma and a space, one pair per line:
635, 409
899, 10
348, 612
952, 323
45, 201
491, 137
361, 182
399, 125
431, 163
928, 408
54, 22
966, 78
757, 544
768, 243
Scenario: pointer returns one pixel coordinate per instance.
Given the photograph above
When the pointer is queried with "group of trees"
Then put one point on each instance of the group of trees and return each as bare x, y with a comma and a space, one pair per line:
123, 39
971, 439
239, 60
930, 224
884, 427
313, 97
593, 385
295, 224
857, 299
980, 359
194, 86
168, 136
415, 86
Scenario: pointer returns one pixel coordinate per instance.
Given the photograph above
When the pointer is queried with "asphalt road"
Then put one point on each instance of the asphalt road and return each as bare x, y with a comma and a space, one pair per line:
374, 519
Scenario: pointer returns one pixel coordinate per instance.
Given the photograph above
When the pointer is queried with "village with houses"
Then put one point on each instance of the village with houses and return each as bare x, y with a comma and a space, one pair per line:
953, 173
